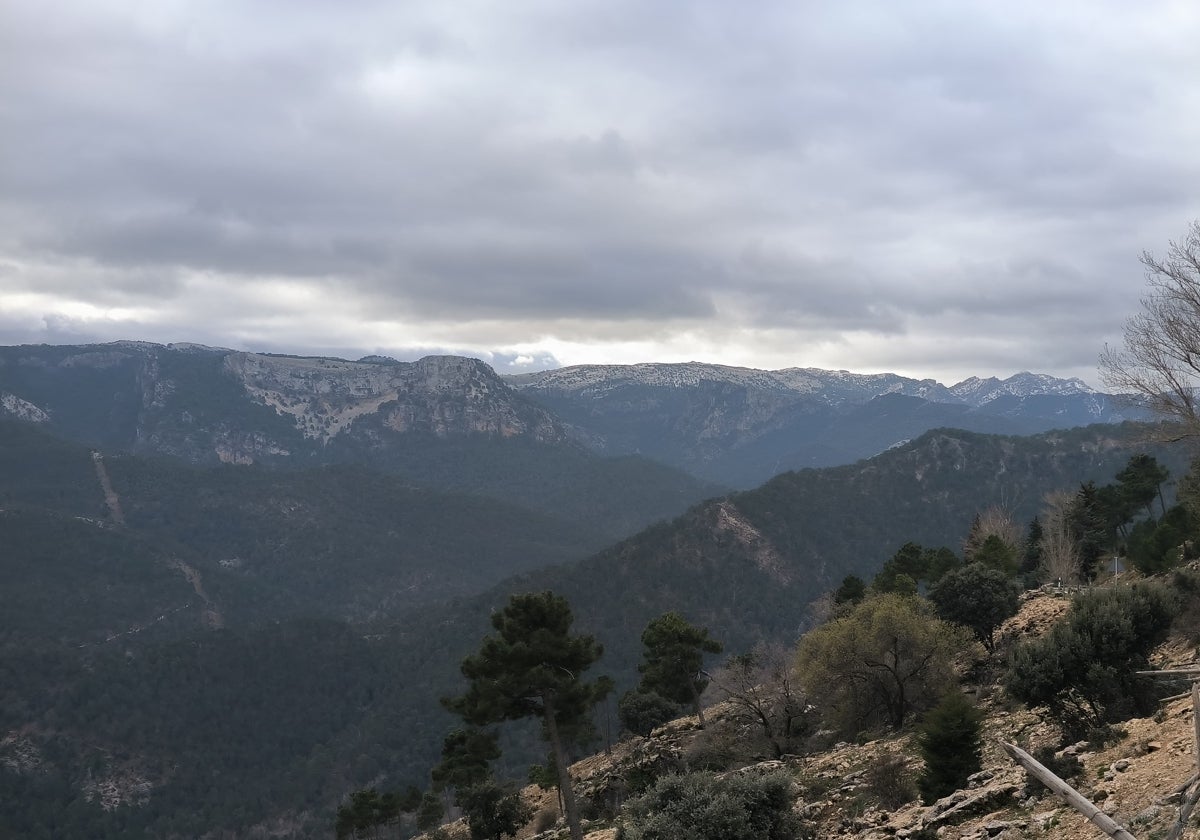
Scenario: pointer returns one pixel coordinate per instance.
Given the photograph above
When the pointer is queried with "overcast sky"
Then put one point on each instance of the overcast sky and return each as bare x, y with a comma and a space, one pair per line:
939, 189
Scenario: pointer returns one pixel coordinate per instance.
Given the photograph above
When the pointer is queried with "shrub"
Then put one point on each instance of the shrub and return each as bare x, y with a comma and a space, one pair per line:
493, 811
641, 712
1083, 669
714, 750
889, 783
951, 745
699, 806
1066, 767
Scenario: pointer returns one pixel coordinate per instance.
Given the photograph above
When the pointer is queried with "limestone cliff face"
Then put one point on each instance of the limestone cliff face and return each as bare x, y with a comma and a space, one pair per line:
447, 396
211, 404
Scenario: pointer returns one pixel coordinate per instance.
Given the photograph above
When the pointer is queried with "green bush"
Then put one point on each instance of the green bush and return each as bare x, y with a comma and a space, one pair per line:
977, 597
1083, 670
951, 745
493, 811
1158, 545
699, 806
641, 712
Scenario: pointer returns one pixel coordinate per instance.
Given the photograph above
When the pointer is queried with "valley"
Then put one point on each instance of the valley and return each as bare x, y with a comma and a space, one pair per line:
240, 584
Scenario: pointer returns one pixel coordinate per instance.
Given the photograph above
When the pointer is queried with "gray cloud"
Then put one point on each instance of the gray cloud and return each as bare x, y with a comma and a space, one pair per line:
927, 185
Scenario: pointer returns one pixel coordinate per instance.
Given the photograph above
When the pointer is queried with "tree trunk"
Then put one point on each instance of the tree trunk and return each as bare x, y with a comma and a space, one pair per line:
564, 772
696, 701
1068, 794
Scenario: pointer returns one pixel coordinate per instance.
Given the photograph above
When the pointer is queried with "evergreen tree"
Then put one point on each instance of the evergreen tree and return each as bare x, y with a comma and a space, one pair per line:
673, 659
1031, 556
1088, 521
545, 776
852, 590
641, 712
1140, 483
995, 553
532, 666
366, 811
430, 812
493, 811
939, 561
977, 597
902, 571
466, 756
1157, 546
951, 745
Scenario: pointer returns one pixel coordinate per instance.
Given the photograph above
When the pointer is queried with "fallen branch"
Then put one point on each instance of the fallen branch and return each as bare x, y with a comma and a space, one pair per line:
1067, 793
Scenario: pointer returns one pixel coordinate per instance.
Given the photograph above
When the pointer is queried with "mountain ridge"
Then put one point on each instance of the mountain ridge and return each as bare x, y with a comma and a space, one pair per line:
446, 422
741, 425
803, 380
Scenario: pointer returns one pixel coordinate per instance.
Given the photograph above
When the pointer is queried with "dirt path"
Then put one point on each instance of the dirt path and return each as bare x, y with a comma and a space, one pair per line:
110, 495
212, 613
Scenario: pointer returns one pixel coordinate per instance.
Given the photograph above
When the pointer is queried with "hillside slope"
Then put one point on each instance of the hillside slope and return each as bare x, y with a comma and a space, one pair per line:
840, 790
746, 566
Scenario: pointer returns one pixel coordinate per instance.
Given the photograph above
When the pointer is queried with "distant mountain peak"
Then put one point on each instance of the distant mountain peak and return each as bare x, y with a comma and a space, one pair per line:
976, 391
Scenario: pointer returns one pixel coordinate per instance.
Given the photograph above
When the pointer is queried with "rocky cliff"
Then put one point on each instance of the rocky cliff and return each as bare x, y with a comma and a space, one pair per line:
208, 404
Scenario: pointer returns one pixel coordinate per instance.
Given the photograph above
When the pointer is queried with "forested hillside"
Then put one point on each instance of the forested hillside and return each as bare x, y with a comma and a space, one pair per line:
217, 609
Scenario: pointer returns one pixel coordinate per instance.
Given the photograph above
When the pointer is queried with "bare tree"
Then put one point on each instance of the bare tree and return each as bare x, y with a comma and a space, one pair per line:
1160, 361
996, 521
762, 689
1060, 554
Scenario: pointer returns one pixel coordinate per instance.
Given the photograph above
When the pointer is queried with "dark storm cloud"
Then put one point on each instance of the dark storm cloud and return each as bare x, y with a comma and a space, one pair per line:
770, 178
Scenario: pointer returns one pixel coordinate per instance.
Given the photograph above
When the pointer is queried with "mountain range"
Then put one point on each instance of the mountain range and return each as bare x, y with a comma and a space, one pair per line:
432, 419
237, 584
740, 426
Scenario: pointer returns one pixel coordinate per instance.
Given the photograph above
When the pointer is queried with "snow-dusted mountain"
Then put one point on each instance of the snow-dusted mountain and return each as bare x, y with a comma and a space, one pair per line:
742, 425
976, 392
734, 426
833, 386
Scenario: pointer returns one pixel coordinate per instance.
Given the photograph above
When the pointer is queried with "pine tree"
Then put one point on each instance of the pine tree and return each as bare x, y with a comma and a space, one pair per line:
533, 667
673, 659
852, 590
430, 812
466, 756
951, 745
1031, 556
493, 811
